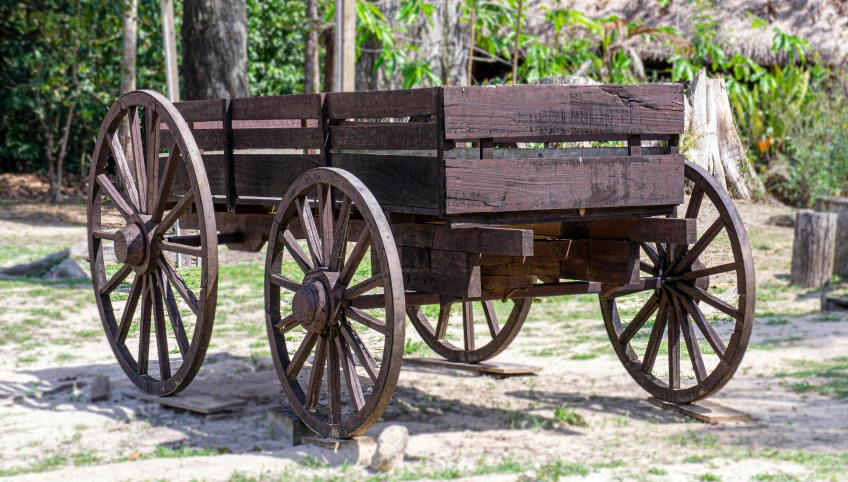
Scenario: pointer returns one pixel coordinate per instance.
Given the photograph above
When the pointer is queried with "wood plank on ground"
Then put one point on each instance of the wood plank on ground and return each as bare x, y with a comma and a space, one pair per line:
490, 367
703, 410
192, 401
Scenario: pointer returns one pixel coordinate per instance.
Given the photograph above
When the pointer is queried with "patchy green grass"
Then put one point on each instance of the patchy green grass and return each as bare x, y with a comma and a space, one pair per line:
566, 414
555, 470
416, 348
43, 465
828, 377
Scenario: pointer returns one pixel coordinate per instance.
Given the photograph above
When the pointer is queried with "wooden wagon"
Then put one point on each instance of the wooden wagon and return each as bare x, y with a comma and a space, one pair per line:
382, 206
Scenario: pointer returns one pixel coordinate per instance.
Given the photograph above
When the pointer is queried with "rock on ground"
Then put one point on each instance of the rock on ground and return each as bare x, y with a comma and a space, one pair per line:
391, 445
67, 269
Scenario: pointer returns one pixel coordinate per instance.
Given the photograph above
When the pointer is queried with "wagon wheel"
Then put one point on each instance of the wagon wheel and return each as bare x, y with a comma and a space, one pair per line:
497, 338
133, 220
312, 326
710, 282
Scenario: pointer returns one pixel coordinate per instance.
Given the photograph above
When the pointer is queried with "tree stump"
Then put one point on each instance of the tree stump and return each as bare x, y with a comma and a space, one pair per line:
838, 205
812, 253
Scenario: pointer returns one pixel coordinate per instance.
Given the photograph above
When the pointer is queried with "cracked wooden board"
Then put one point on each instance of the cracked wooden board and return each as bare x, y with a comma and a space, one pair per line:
704, 410
492, 368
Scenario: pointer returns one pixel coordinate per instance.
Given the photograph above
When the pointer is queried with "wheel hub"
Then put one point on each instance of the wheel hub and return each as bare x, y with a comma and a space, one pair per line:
131, 245
315, 302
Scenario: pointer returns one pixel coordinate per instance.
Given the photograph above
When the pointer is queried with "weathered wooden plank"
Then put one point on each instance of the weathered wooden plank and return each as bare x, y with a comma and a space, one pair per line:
300, 106
427, 281
200, 110
492, 367
703, 410
523, 218
506, 282
562, 110
649, 230
599, 260
496, 185
396, 181
395, 135
288, 138
206, 139
546, 153
382, 104
513, 242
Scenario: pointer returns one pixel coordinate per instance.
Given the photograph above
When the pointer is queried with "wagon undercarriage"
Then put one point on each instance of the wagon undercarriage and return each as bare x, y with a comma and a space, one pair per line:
451, 207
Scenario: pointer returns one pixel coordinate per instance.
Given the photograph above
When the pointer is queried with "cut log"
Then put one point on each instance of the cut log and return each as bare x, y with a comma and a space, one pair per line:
36, 268
838, 205
812, 254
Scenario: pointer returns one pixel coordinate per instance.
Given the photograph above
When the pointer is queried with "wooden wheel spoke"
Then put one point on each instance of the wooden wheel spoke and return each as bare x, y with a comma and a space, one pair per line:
334, 385
491, 318
144, 328
354, 388
174, 213
644, 284
286, 324
284, 282
655, 339
165, 183
640, 319
442, 323
123, 169
316, 375
699, 247
360, 350
724, 268
307, 222
340, 237
695, 201
301, 354
356, 255
703, 325
173, 313
116, 280
691, 340
325, 215
110, 236
646, 267
468, 325
296, 251
151, 134
161, 333
673, 350
655, 258
709, 299
196, 251
138, 157
366, 319
363, 287
129, 311
126, 209
179, 284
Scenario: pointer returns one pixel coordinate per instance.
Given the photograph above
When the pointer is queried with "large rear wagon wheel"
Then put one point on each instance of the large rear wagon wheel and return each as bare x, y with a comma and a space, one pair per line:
710, 283
339, 365
132, 203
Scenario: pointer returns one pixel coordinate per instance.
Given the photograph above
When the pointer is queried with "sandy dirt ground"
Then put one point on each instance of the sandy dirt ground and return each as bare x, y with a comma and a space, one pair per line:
581, 418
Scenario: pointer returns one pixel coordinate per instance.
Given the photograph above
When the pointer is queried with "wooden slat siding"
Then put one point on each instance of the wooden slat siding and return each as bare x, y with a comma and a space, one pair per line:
396, 182
506, 282
200, 110
515, 153
477, 220
441, 146
299, 106
586, 260
451, 263
286, 138
498, 185
602, 261
390, 135
520, 111
229, 161
512, 242
206, 139
649, 230
382, 104
256, 175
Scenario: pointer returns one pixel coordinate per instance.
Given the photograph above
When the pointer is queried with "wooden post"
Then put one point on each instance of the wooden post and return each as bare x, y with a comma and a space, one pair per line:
838, 205
169, 34
344, 78
812, 253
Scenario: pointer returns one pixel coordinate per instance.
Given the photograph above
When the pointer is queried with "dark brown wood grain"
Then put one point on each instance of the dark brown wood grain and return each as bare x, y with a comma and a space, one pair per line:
302, 106
481, 186
650, 230
522, 111
390, 135
400, 183
382, 104
512, 242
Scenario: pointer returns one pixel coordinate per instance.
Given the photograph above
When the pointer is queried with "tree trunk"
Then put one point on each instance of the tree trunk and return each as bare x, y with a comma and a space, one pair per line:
813, 249
214, 36
838, 205
329, 59
128, 72
311, 69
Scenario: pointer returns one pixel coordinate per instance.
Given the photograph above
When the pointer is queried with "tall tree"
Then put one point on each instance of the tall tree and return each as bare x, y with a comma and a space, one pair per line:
129, 21
311, 68
214, 36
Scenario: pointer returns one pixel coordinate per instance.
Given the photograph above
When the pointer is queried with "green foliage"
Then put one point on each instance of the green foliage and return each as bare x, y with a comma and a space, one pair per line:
275, 47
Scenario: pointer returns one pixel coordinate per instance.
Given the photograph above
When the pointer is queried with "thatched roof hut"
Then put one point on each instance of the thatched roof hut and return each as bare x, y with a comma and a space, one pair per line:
823, 23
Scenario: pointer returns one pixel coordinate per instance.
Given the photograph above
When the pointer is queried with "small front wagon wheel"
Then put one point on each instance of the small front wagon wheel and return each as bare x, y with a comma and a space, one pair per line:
338, 364
703, 293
